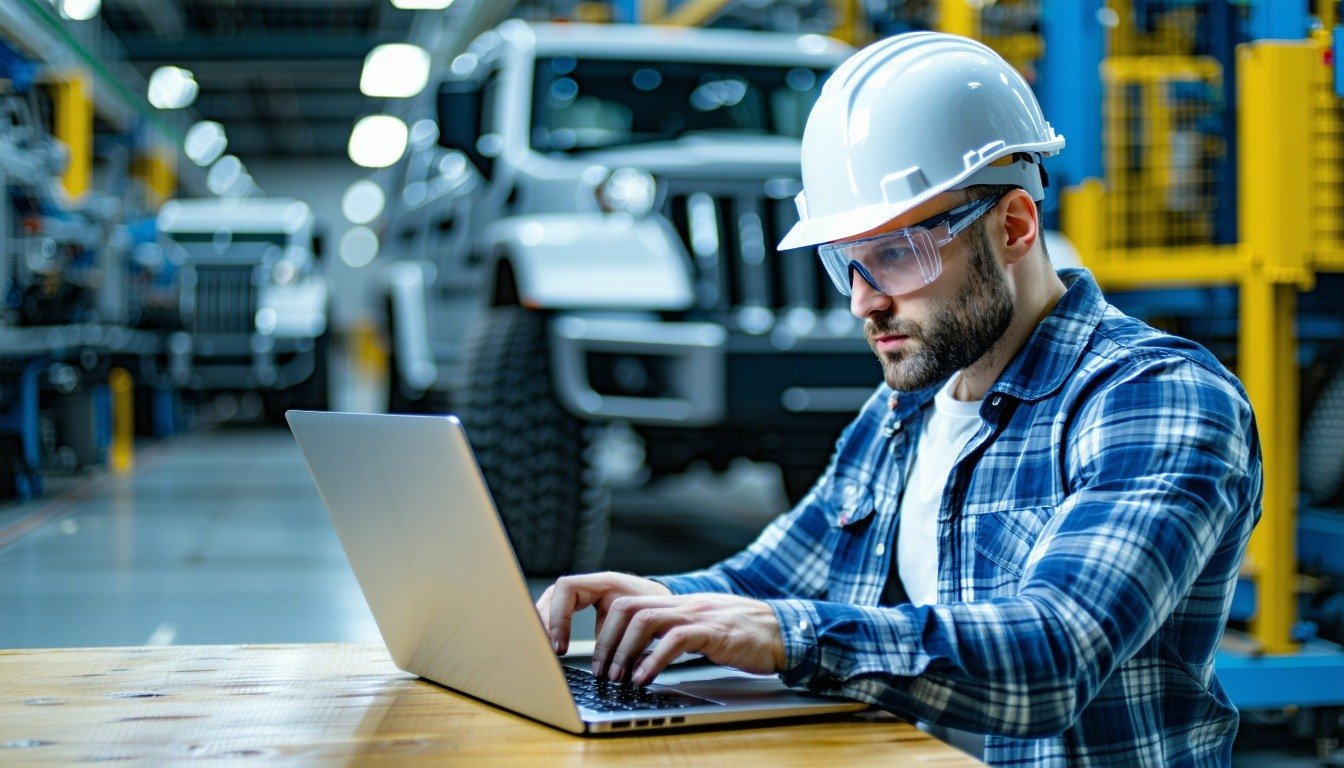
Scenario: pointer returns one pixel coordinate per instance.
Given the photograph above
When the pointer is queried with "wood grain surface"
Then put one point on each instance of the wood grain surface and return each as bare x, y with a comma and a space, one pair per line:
348, 705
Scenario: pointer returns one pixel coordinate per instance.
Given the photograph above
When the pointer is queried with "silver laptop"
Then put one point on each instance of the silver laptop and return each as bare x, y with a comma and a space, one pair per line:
432, 558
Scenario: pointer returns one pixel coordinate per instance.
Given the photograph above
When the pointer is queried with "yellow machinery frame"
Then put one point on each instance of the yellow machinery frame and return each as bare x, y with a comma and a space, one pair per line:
1277, 256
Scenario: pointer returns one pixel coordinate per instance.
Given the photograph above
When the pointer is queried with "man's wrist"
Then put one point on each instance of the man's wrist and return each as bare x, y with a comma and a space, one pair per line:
798, 631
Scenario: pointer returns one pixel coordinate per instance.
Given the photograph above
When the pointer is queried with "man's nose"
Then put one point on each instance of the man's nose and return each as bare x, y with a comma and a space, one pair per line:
864, 299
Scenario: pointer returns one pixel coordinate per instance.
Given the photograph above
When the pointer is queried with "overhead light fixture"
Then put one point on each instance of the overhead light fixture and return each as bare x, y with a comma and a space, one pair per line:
172, 88
80, 10
205, 142
378, 141
363, 202
395, 71
358, 247
224, 174
421, 5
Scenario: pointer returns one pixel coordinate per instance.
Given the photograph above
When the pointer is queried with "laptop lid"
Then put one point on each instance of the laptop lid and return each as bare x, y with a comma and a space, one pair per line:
431, 556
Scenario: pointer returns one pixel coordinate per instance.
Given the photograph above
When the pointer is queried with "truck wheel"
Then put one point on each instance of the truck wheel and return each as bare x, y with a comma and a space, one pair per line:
76, 426
1322, 454
314, 393
531, 451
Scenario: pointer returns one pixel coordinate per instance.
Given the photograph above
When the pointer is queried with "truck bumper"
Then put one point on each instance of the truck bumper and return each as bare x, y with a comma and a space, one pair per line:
224, 362
692, 374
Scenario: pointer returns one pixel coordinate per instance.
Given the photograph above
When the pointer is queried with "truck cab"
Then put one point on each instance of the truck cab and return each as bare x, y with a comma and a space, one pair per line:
580, 260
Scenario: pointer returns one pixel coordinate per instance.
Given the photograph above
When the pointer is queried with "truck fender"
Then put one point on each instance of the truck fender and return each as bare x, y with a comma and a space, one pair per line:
593, 261
407, 282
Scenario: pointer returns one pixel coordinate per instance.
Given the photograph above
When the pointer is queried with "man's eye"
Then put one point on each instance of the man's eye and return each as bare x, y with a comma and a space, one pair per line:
896, 253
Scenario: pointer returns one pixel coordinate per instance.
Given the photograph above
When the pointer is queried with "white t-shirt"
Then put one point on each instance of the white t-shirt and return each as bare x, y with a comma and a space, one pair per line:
950, 425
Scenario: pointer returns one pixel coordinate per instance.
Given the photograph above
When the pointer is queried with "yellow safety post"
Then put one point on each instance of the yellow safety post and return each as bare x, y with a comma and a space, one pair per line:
73, 124
849, 22
123, 420
958, 17
158, 169
1082, 216
690, 13
367, 349
1274, 215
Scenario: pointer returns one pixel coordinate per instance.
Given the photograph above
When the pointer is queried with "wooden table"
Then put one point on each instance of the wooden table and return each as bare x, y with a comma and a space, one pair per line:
348, 705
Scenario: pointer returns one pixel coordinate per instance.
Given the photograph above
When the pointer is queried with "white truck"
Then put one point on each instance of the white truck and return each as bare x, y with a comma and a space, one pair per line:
255, 301
580, 260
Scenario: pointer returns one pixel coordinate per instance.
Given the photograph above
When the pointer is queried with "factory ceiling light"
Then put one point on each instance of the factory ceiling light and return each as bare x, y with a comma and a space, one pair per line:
378, 141
172, 88
363, 202
205, 142
224, 174
422, 5
80, 10
395, 70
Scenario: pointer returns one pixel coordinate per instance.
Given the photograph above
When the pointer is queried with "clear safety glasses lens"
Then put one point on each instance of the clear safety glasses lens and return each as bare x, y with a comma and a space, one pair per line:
905, 260
894, 264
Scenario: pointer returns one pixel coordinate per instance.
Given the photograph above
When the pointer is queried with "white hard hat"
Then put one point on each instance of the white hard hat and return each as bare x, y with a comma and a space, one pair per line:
908, 118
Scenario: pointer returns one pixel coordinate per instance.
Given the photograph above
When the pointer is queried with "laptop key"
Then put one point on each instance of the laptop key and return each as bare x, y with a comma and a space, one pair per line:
594, 693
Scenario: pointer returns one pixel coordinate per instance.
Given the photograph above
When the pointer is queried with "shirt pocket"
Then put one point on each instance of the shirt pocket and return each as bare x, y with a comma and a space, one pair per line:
850, 504
1003, 541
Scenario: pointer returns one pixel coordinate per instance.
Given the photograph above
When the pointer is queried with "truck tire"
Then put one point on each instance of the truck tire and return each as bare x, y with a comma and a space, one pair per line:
532, 452
1322, 454
76, 427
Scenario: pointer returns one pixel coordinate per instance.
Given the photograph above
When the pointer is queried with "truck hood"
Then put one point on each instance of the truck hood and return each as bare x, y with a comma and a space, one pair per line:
707, 155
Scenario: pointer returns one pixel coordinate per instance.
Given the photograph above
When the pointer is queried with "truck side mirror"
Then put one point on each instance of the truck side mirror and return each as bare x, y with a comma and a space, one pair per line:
459, 108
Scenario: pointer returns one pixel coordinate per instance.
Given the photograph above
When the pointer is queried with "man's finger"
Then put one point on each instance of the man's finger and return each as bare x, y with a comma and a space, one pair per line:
565, 600
544, 608
644, 625
685, 638
615, 623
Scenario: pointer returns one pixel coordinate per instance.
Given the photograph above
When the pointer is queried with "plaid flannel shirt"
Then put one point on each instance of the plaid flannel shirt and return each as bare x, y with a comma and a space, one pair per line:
1089, 540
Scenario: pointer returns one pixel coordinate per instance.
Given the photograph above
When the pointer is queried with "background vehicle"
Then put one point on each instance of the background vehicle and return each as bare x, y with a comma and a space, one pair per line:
584, 266
255, 301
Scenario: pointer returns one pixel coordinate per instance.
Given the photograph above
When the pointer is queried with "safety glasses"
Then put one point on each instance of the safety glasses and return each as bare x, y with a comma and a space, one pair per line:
906, 260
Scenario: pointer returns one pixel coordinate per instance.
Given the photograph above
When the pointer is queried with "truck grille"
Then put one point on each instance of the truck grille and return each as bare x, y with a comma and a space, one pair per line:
226, 299
730, 230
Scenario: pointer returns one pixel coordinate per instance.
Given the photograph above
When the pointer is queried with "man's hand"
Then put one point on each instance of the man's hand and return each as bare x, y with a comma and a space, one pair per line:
733, 631
574, 593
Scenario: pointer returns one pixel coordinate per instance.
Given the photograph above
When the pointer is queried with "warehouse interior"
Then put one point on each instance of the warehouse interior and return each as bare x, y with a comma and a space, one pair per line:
219, 211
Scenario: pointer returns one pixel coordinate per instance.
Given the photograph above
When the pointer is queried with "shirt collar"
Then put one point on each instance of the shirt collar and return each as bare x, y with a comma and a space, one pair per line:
1057, 344
1051, 352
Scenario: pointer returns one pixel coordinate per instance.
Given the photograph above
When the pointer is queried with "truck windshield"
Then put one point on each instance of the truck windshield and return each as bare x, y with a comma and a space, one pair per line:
584, 104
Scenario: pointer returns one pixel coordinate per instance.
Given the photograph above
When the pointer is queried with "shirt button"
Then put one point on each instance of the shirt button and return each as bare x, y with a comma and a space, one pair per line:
996, 400
881, 549
802, 625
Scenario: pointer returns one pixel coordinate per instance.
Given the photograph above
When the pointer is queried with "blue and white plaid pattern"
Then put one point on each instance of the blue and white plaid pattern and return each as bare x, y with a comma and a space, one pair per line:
1090, 537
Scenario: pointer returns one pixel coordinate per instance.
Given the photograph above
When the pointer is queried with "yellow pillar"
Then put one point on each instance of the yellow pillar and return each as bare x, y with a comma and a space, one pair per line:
73, 124
158, 169
849, 22
959, 18
1274, 171
122, 453
1082, 215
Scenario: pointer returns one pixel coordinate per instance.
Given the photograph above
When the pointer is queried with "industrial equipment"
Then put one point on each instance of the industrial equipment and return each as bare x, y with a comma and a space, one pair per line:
254, 303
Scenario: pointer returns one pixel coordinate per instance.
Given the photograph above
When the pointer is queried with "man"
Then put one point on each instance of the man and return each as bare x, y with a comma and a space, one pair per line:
1033, 528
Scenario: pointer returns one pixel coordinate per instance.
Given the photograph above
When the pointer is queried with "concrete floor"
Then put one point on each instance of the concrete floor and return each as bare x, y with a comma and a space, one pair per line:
219, 537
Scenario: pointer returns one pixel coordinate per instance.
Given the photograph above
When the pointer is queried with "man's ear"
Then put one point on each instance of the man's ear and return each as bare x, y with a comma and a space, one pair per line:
1021, 225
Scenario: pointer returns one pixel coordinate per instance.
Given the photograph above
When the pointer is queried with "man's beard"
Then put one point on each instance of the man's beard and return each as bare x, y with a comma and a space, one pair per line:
956, 336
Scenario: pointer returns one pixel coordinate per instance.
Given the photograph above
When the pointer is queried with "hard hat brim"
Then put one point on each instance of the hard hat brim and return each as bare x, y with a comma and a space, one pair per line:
839, 226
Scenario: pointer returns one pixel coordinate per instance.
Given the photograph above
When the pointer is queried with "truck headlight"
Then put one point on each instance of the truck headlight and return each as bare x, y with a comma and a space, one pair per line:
627, 190
284, 272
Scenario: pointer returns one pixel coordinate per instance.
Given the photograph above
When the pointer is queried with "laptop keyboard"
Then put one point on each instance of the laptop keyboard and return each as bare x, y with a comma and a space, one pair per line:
591, 692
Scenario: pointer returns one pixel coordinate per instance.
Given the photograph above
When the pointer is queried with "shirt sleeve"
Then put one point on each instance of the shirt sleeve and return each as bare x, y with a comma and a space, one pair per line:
1163, 466
791, 558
